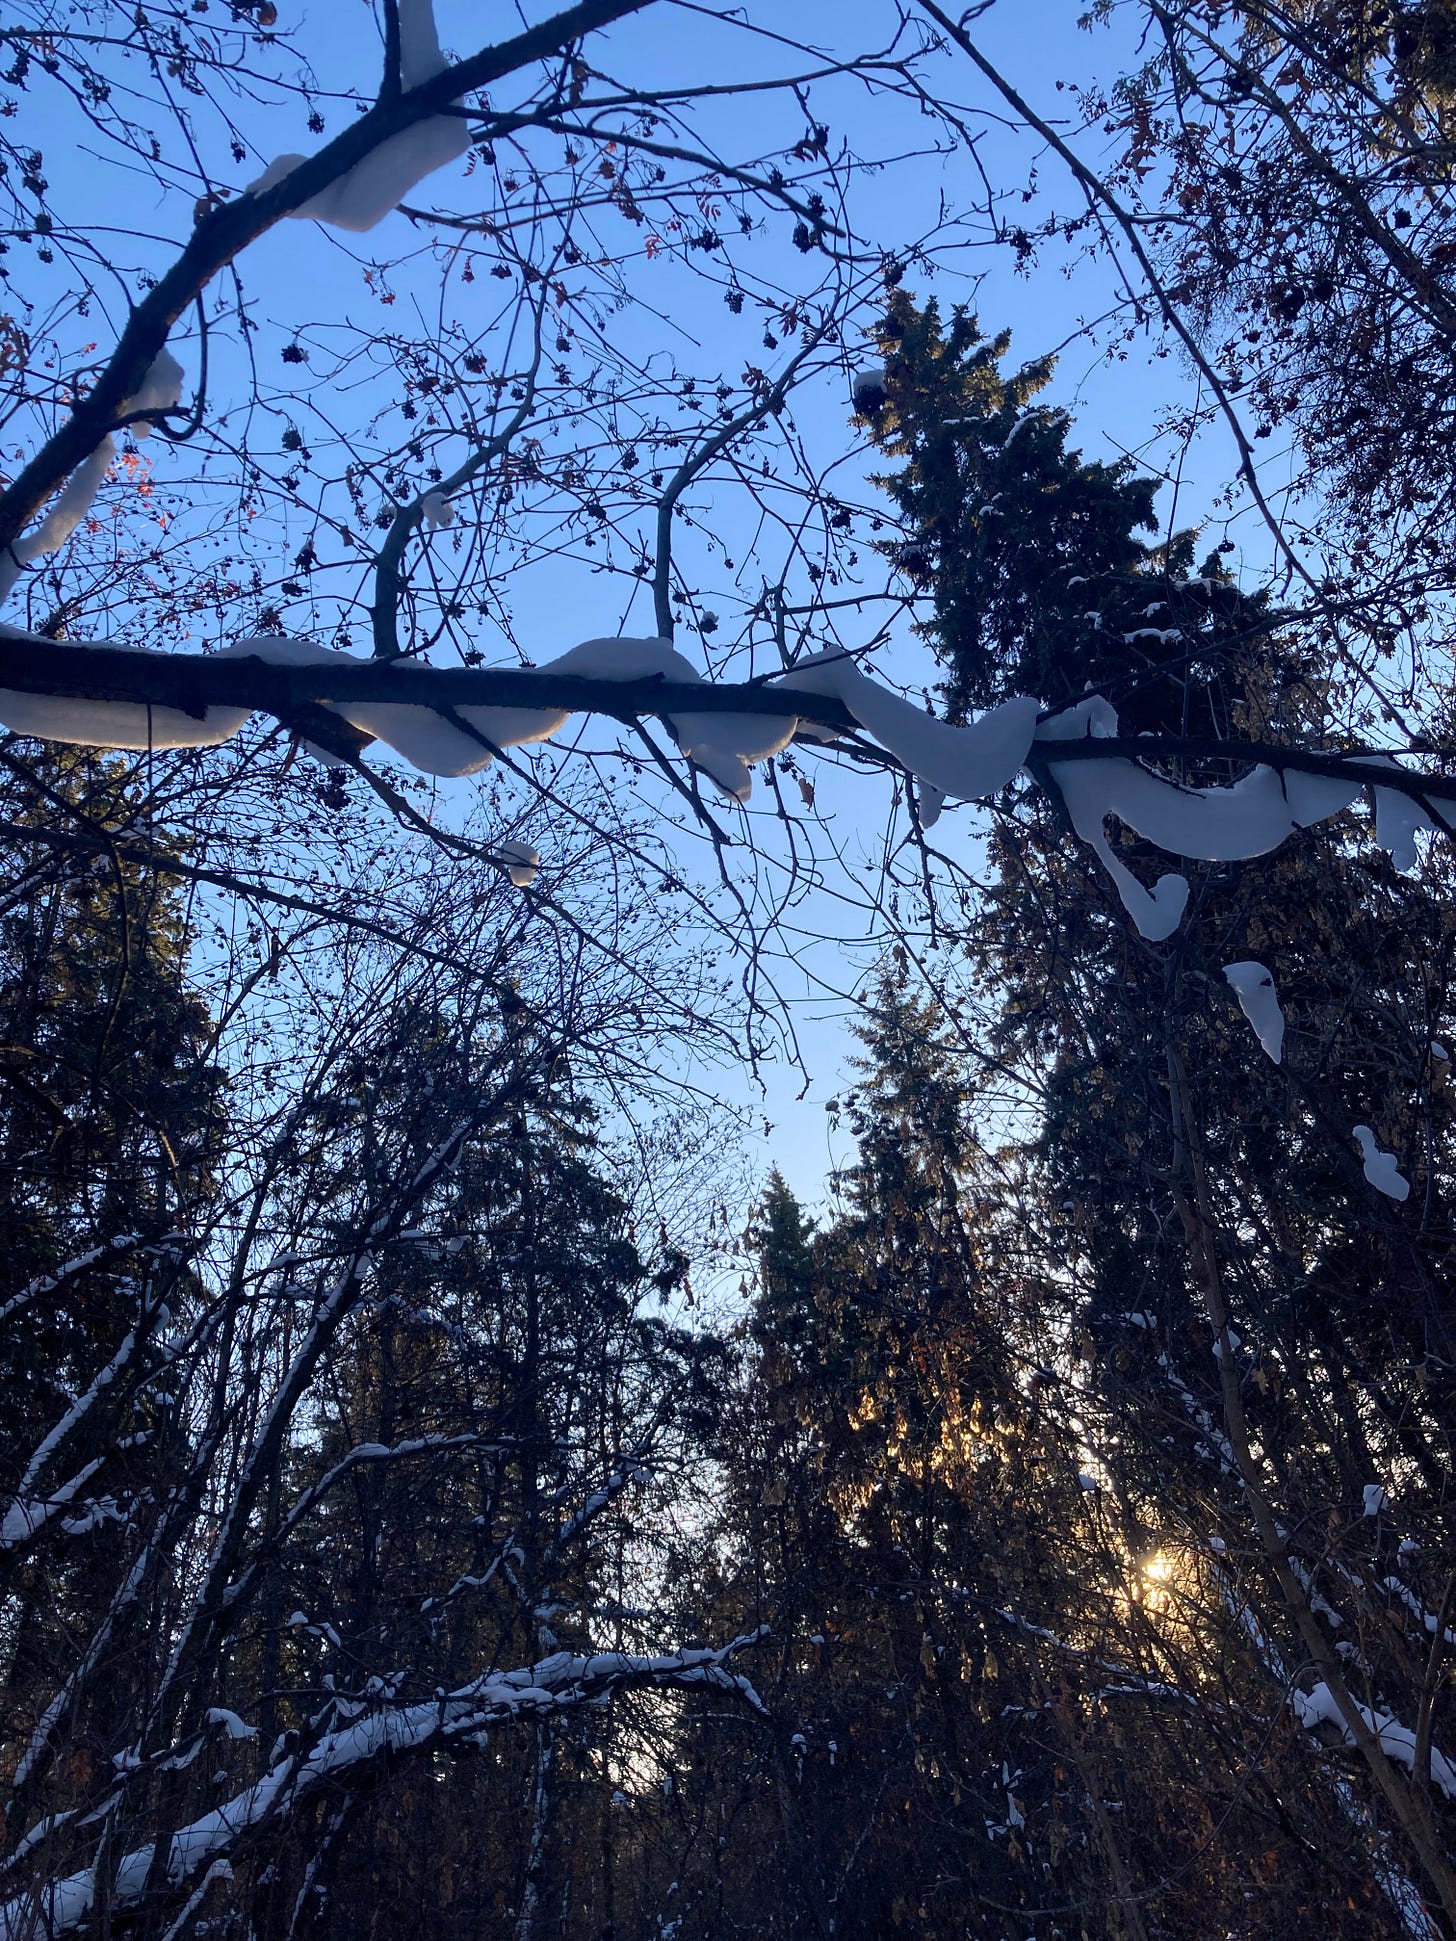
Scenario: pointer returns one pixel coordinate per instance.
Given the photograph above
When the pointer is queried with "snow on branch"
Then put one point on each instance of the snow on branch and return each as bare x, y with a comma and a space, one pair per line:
364, 196
454, 721
363, 1453
968, 762
227, 229
26, 1517
1318, 1708
1380, 1167
547, 1688
27, 1514
157, 394
103, 1255
1250, 818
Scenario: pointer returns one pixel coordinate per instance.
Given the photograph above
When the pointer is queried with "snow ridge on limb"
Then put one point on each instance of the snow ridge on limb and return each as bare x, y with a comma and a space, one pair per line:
968, 763
111, 724
1398, 1742
1157, 912
1255, 815
102, 1255
159, 392
453, 741
363, 197
1399, 818
27, 1514
447, 732
222, 234
548, 1687
722, 745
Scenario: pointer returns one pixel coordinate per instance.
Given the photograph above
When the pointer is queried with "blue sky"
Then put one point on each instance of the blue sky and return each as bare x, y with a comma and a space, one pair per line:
301, 276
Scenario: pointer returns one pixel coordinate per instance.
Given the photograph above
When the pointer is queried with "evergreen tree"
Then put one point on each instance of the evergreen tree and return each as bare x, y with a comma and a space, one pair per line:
112, 1126
1184, 1179
111, 1103
516, 1347
1029, 557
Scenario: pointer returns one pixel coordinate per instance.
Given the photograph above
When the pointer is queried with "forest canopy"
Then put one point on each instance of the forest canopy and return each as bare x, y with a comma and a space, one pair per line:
533, 569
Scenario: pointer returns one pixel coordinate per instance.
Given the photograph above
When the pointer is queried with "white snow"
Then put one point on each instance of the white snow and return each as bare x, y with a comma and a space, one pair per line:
1026, 418
869, 388
420, 58
522, 862
1259, 1001
1375, 1499
1162, 636
424, 738
972, 762
366, 193
109, 724
1157, 912
721, 744
1400, 818
1380, 1167
1397, 819
930, 801
969, 763
1397, 1741
60, 1907
1412, 1603
231, 1723
159, 391
1219, 1352
1232, 824
62, 519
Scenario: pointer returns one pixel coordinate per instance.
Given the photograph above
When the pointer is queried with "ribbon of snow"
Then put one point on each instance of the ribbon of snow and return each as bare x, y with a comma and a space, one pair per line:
1259, 1001
1219, 825
967, 762
231, 1723
521, 861
121, 1243
1396, 1741
159, 392
365, 194
1226, 1352
1380, 1167
1406, 1548
1399, 818
25, 1518
64, 1906
459, 738
111, 724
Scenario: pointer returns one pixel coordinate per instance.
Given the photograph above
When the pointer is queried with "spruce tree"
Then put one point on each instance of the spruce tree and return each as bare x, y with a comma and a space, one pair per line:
113, 1114
1179, 1173
520, 1332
